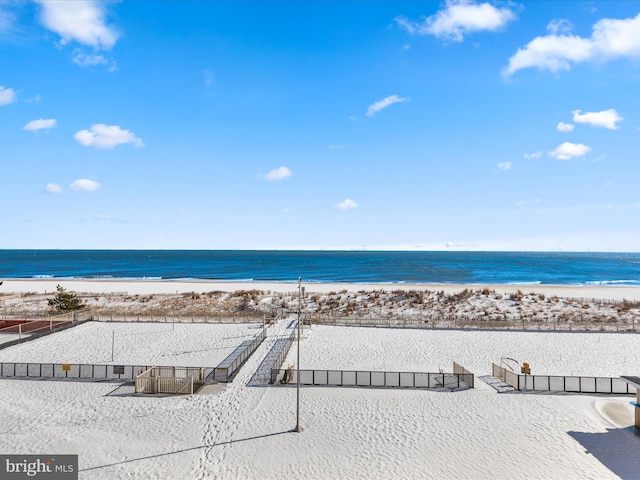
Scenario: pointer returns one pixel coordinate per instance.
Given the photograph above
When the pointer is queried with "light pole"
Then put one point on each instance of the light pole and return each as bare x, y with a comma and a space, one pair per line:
298, 428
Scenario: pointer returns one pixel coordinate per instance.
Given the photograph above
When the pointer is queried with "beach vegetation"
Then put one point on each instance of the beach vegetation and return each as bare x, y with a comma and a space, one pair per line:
65, 301
516, 297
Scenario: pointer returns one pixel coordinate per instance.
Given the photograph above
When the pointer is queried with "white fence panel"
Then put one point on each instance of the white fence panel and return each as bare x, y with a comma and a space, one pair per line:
320, 377
422, 380
47, 370
306, 377
588, 384
33, 370
619, 386
363, 379
406, 379
572, 384
603, 385
349, 378
377, 379
556, 384
392, 379
86, 371
334, 378
541, 383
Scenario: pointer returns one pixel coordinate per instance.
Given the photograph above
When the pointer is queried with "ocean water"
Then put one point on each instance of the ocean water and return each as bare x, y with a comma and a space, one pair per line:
518, 268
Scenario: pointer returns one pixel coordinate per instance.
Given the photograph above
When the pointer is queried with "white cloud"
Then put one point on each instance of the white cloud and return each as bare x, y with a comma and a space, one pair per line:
590, 7
7, 95
458, 18
209, 78
569, 150
85, 185
106, 136
41, 124
90, 60
504, 166
86, 60
606, 118
559, 25
610, 39
530, 156
6, 20
35, 99
347, 204
565, 127
279, 173
384, 103
53, 188
82, 21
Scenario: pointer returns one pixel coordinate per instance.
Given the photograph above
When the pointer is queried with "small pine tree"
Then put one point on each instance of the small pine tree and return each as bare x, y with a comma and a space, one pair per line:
65, 301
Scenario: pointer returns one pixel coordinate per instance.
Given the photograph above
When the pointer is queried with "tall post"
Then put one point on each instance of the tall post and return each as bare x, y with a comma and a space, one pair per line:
298, 429
113, 344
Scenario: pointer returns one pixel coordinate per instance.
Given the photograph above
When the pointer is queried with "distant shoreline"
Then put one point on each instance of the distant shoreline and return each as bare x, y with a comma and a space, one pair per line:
146, 287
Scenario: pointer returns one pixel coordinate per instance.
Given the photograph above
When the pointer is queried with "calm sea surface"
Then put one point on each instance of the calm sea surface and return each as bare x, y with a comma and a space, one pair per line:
520, 268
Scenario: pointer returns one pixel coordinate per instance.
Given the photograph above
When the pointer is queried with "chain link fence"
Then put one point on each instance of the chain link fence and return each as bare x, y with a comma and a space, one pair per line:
476, 323
561, 383
351, 378
231, 365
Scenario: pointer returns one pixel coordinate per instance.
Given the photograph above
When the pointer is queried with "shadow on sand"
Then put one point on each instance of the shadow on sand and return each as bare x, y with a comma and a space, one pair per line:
617, 449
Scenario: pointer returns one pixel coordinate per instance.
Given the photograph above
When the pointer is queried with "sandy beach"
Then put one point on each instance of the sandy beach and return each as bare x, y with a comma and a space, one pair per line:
245, 432
146, 287
593, 307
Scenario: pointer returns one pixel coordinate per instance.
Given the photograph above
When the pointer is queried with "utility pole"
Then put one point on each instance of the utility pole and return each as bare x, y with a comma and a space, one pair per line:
298, 428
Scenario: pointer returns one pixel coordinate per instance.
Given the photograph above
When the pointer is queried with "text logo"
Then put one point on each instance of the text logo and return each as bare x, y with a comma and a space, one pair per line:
49, 467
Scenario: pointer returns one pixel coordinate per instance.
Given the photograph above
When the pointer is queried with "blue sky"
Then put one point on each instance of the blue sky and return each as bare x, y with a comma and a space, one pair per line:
461, 125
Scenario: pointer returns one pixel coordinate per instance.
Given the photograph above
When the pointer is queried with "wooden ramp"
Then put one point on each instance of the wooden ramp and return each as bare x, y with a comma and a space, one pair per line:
497, 384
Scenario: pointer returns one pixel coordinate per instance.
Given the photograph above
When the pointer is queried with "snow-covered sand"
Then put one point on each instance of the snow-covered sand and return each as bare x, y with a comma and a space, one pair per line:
10, 337
420, 350
179, 344
245, 432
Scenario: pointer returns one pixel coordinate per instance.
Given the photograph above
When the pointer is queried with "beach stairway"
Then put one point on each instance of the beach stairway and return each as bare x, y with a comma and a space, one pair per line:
282, 332
496, 384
